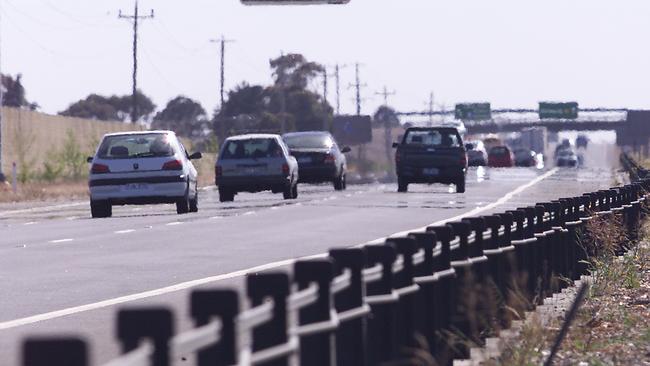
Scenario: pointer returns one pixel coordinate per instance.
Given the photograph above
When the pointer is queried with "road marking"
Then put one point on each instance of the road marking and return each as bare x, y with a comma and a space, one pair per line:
173, 223
248, 213
42, 208
190, 284
124, 231
30, 223
60, 241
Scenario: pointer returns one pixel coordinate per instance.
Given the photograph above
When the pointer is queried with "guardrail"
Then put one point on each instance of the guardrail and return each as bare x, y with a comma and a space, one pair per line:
442, 289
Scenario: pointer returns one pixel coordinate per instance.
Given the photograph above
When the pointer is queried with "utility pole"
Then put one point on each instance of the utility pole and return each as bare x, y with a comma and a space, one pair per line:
325, 85
385, 93
337, 77
223, 42
431, 100
135, 17
357, 85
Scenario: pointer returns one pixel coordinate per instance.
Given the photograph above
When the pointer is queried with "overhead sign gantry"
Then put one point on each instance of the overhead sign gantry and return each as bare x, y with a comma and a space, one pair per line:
294, 2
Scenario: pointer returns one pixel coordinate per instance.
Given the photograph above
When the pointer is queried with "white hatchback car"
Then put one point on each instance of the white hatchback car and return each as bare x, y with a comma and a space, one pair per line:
142, 168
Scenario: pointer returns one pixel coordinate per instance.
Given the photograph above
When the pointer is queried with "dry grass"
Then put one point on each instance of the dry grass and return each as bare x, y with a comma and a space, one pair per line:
41, 191
612, 326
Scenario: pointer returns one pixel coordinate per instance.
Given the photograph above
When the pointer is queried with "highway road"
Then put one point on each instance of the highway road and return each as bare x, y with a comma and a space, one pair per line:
64, 273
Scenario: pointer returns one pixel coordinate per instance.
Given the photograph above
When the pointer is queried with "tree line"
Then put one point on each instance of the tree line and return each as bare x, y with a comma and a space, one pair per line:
286, 105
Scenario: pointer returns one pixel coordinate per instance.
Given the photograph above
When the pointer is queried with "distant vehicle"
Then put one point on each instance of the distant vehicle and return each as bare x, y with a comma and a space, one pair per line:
500, 157
476, 154
491, 141
255, 163
566, 158
319, 157
431, 155
582, 141
142, 168
457, 124
564, 145
525, 157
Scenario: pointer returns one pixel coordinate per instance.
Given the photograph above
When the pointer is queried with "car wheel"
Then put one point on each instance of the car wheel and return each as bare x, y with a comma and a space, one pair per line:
402, 185
99, 209
194, 203
339, 183
183, 206
460, 186
294, 191
226, 196
287, 193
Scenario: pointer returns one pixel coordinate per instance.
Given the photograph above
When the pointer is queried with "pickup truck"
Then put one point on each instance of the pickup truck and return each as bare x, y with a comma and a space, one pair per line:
431, 155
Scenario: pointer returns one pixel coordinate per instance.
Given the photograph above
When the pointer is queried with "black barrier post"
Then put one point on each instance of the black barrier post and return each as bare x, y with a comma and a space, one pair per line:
464, 318
446, 283
541, 252
318, 348
509, 262
54, 351
351, 336
275, 286
382, 337
531, 263
156, 324
494, 253
407, 291
205, 306
428, 303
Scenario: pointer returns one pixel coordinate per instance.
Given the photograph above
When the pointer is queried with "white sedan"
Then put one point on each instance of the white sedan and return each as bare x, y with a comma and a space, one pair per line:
142, 168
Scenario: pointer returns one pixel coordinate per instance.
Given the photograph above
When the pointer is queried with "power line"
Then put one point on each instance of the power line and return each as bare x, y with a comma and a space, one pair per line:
385, 93
223, 42
136, 18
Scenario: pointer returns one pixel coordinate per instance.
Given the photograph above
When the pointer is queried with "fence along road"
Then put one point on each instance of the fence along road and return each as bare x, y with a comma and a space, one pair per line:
101, 265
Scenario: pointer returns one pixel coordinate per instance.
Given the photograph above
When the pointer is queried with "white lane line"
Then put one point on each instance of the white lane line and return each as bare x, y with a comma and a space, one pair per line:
30, 223
189, 284
173, 223
124, 231
248, 213
60, 241
42, 208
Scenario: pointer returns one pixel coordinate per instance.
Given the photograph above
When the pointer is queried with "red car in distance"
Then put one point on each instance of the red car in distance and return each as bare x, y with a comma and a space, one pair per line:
500, 157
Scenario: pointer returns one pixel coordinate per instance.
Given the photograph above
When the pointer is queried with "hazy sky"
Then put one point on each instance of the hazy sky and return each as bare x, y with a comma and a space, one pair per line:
512, 53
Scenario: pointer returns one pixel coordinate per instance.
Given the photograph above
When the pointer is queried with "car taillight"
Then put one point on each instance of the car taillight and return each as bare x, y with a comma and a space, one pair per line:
173, 165
463, 160
329, 159
397, 157
99, 169
218, 171
285, 169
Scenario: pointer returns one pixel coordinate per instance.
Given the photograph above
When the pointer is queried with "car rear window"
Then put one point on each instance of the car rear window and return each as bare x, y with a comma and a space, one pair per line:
432, 138
499, 150
135, 146
251, 149
308, 141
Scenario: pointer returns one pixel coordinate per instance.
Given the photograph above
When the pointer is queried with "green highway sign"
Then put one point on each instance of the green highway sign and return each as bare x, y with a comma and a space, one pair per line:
473, 111
552, 110
293, 2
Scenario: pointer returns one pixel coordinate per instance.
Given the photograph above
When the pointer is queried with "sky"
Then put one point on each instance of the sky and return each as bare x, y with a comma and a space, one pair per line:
511, 53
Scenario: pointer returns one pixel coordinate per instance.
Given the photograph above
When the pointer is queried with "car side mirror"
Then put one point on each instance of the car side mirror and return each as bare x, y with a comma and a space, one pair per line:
196, 155
89, 159
346, 149
395, 145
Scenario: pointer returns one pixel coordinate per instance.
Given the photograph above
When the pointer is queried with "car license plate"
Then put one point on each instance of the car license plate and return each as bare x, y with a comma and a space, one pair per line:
135, 186
304, 160
430, 171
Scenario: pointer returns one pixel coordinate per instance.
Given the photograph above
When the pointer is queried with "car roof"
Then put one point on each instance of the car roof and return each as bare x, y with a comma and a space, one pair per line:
299, 133
126, 133
254, 136
432, 128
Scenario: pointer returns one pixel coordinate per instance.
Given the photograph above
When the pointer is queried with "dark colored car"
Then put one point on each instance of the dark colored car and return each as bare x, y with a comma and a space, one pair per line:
567, 158
319, 157
525, 157
500, 157
431, 155
476, 154
582, 141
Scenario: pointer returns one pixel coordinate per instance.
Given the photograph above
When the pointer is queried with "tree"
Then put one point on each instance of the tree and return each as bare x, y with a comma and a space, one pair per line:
14, 93
183, 115
285, 106
386, 116
113, 108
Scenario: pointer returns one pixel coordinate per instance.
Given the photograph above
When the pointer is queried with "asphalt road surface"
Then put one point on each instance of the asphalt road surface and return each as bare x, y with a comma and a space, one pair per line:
64, 273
